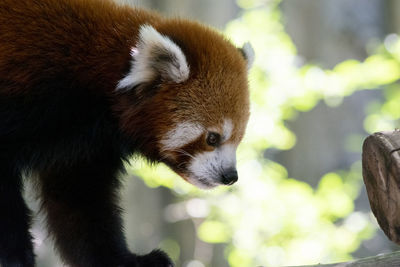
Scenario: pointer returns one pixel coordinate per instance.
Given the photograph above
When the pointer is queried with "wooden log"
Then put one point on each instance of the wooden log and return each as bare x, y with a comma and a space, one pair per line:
383, 260
381, 172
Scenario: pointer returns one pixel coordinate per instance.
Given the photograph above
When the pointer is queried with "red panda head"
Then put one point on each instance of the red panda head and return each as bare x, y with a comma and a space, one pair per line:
186, 99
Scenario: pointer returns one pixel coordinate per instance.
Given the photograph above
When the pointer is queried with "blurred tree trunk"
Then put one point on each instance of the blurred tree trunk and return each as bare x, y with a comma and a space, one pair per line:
207, 11
393, 18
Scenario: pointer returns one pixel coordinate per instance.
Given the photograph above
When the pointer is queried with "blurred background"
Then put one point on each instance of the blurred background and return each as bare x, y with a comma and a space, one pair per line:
325, 76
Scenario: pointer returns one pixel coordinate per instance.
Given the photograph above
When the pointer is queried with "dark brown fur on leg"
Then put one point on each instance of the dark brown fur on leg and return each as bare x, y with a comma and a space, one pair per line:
82, 214
84, 218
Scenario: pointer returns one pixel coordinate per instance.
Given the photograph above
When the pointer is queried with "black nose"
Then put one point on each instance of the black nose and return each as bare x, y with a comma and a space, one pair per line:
229, 177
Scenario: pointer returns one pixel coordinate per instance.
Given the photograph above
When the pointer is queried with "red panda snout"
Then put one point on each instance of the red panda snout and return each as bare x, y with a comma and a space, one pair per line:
205, 157
229, 177
212, 168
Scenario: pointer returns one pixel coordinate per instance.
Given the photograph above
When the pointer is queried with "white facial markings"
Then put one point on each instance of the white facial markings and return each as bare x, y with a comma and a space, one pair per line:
155, 54
183, 134
227, 129
228, 156
249, 54
207, 167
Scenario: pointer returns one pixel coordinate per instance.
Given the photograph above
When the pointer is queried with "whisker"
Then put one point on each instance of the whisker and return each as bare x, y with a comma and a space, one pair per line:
184, 153
180, 151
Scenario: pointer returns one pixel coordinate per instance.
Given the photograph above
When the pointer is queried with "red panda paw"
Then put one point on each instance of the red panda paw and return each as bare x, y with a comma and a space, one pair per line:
156, 258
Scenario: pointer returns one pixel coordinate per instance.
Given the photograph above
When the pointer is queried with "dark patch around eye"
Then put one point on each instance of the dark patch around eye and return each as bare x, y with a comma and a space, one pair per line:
213, 139
185, 154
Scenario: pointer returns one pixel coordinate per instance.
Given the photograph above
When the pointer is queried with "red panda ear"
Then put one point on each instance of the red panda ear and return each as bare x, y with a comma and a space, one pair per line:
155, 56
248, 54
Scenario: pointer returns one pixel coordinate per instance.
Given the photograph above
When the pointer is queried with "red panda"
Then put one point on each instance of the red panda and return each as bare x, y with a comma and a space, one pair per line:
85, 84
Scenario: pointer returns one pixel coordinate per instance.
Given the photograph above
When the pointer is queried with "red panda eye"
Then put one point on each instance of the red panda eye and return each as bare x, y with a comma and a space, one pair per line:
213, 139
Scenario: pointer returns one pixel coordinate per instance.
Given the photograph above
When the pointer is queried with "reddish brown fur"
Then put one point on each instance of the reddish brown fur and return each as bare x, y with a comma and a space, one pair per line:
61, 115
98, 55
217, 86
215, 90
87, 39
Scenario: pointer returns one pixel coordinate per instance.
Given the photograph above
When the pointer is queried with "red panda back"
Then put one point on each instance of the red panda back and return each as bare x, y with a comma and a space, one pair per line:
89, 40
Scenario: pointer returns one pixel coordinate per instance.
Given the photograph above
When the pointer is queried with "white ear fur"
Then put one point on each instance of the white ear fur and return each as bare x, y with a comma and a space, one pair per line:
248, 53
155, 55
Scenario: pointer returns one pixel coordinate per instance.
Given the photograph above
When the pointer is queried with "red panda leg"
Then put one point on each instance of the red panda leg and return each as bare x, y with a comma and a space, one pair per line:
81, 214
15, 240
84, 219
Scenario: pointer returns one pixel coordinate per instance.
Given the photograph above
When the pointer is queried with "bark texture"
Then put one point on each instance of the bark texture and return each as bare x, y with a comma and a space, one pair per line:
381, 172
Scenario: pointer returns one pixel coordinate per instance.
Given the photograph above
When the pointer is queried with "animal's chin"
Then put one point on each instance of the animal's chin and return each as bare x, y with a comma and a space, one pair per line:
199, 182
204, 184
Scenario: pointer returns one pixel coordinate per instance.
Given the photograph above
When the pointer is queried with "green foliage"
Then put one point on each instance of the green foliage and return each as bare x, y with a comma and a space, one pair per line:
171, 247
213, 232
268, 218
